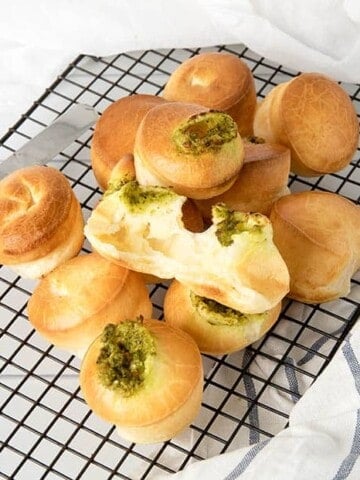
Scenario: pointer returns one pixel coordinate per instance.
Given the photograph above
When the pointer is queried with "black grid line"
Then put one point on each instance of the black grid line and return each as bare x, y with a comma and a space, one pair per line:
46, 429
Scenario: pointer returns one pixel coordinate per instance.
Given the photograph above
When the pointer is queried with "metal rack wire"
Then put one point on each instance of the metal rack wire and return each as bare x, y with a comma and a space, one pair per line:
46, 429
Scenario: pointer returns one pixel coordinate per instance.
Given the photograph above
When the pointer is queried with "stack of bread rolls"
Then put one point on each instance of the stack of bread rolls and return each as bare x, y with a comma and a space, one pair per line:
195, 191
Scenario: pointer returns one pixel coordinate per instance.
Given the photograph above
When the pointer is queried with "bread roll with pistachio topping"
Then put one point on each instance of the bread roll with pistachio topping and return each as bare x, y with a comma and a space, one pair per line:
234, 261
216, 329
262, 180
41, 223
115, 131
189, 148
71, 305
313, 116
318, 235
145, 377
219, 81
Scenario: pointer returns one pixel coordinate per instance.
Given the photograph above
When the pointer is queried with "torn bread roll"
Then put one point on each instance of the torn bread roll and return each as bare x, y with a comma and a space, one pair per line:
318, 236
262, 180
217, 80
115, 131
234, 261
313, 116
189, 148
144, 377
71, 305
216, 329
41, 223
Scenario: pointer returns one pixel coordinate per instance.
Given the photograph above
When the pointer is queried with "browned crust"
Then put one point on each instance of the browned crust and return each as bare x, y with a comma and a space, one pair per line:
186, 173
216, 80
315, 118
38, 212
317, 234
213, 339
73, 303
115, 131
262, 180
173, 378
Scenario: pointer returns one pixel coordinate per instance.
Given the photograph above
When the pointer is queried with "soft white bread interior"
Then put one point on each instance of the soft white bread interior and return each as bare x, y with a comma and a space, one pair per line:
216, 329
155, 389
41, 223
234, 261
313, 116
318, 235
73, 303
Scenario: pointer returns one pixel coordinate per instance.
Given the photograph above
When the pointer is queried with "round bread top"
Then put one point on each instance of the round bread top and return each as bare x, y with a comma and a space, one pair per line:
215, 79
187, 144
320, 122
172, 374
34, 203
115, 130
327, 219
74, 291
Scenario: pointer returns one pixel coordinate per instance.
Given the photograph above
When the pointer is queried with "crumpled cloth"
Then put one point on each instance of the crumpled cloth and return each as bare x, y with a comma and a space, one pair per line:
322, 440
39, 38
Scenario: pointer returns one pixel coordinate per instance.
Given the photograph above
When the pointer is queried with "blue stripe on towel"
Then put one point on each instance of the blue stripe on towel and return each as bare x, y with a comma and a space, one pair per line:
349, 461
246, 461
291, 378
317, 345
254, 435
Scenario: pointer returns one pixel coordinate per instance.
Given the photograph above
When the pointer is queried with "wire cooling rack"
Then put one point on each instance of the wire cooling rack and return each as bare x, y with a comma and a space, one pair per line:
46, 429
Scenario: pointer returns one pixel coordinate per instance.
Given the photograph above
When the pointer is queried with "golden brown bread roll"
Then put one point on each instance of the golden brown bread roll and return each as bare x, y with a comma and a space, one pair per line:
313, 116
146, 378
219, 81
233, 262
189, 148
115, 131
318, 236
215, 328
41, 223
73, 303
262, 180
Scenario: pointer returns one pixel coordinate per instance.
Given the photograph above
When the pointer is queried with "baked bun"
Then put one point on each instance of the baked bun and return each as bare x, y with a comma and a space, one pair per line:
71, 305
262, 180
41, 223
219, 81
115, 133
318, 235
313, 116
195, 151
233, 262
146, 378
216, 329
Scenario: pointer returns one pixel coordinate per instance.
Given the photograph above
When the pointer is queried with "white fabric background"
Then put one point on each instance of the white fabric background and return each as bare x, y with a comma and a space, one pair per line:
38, 38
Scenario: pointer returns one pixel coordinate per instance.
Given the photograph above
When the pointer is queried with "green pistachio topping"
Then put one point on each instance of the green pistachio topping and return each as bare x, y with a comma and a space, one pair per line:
204, 132
116, 185
230, 222
220, 315
253, 139
139, 198
123, 361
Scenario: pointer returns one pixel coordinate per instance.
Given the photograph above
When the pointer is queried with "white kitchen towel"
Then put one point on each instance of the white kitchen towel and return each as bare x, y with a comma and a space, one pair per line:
39, 38
322, 441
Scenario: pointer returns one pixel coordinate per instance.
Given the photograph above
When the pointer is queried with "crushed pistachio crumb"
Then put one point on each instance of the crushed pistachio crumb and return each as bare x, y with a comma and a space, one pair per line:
126, 350
203, 132
220, 315
231, 222
140, 198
